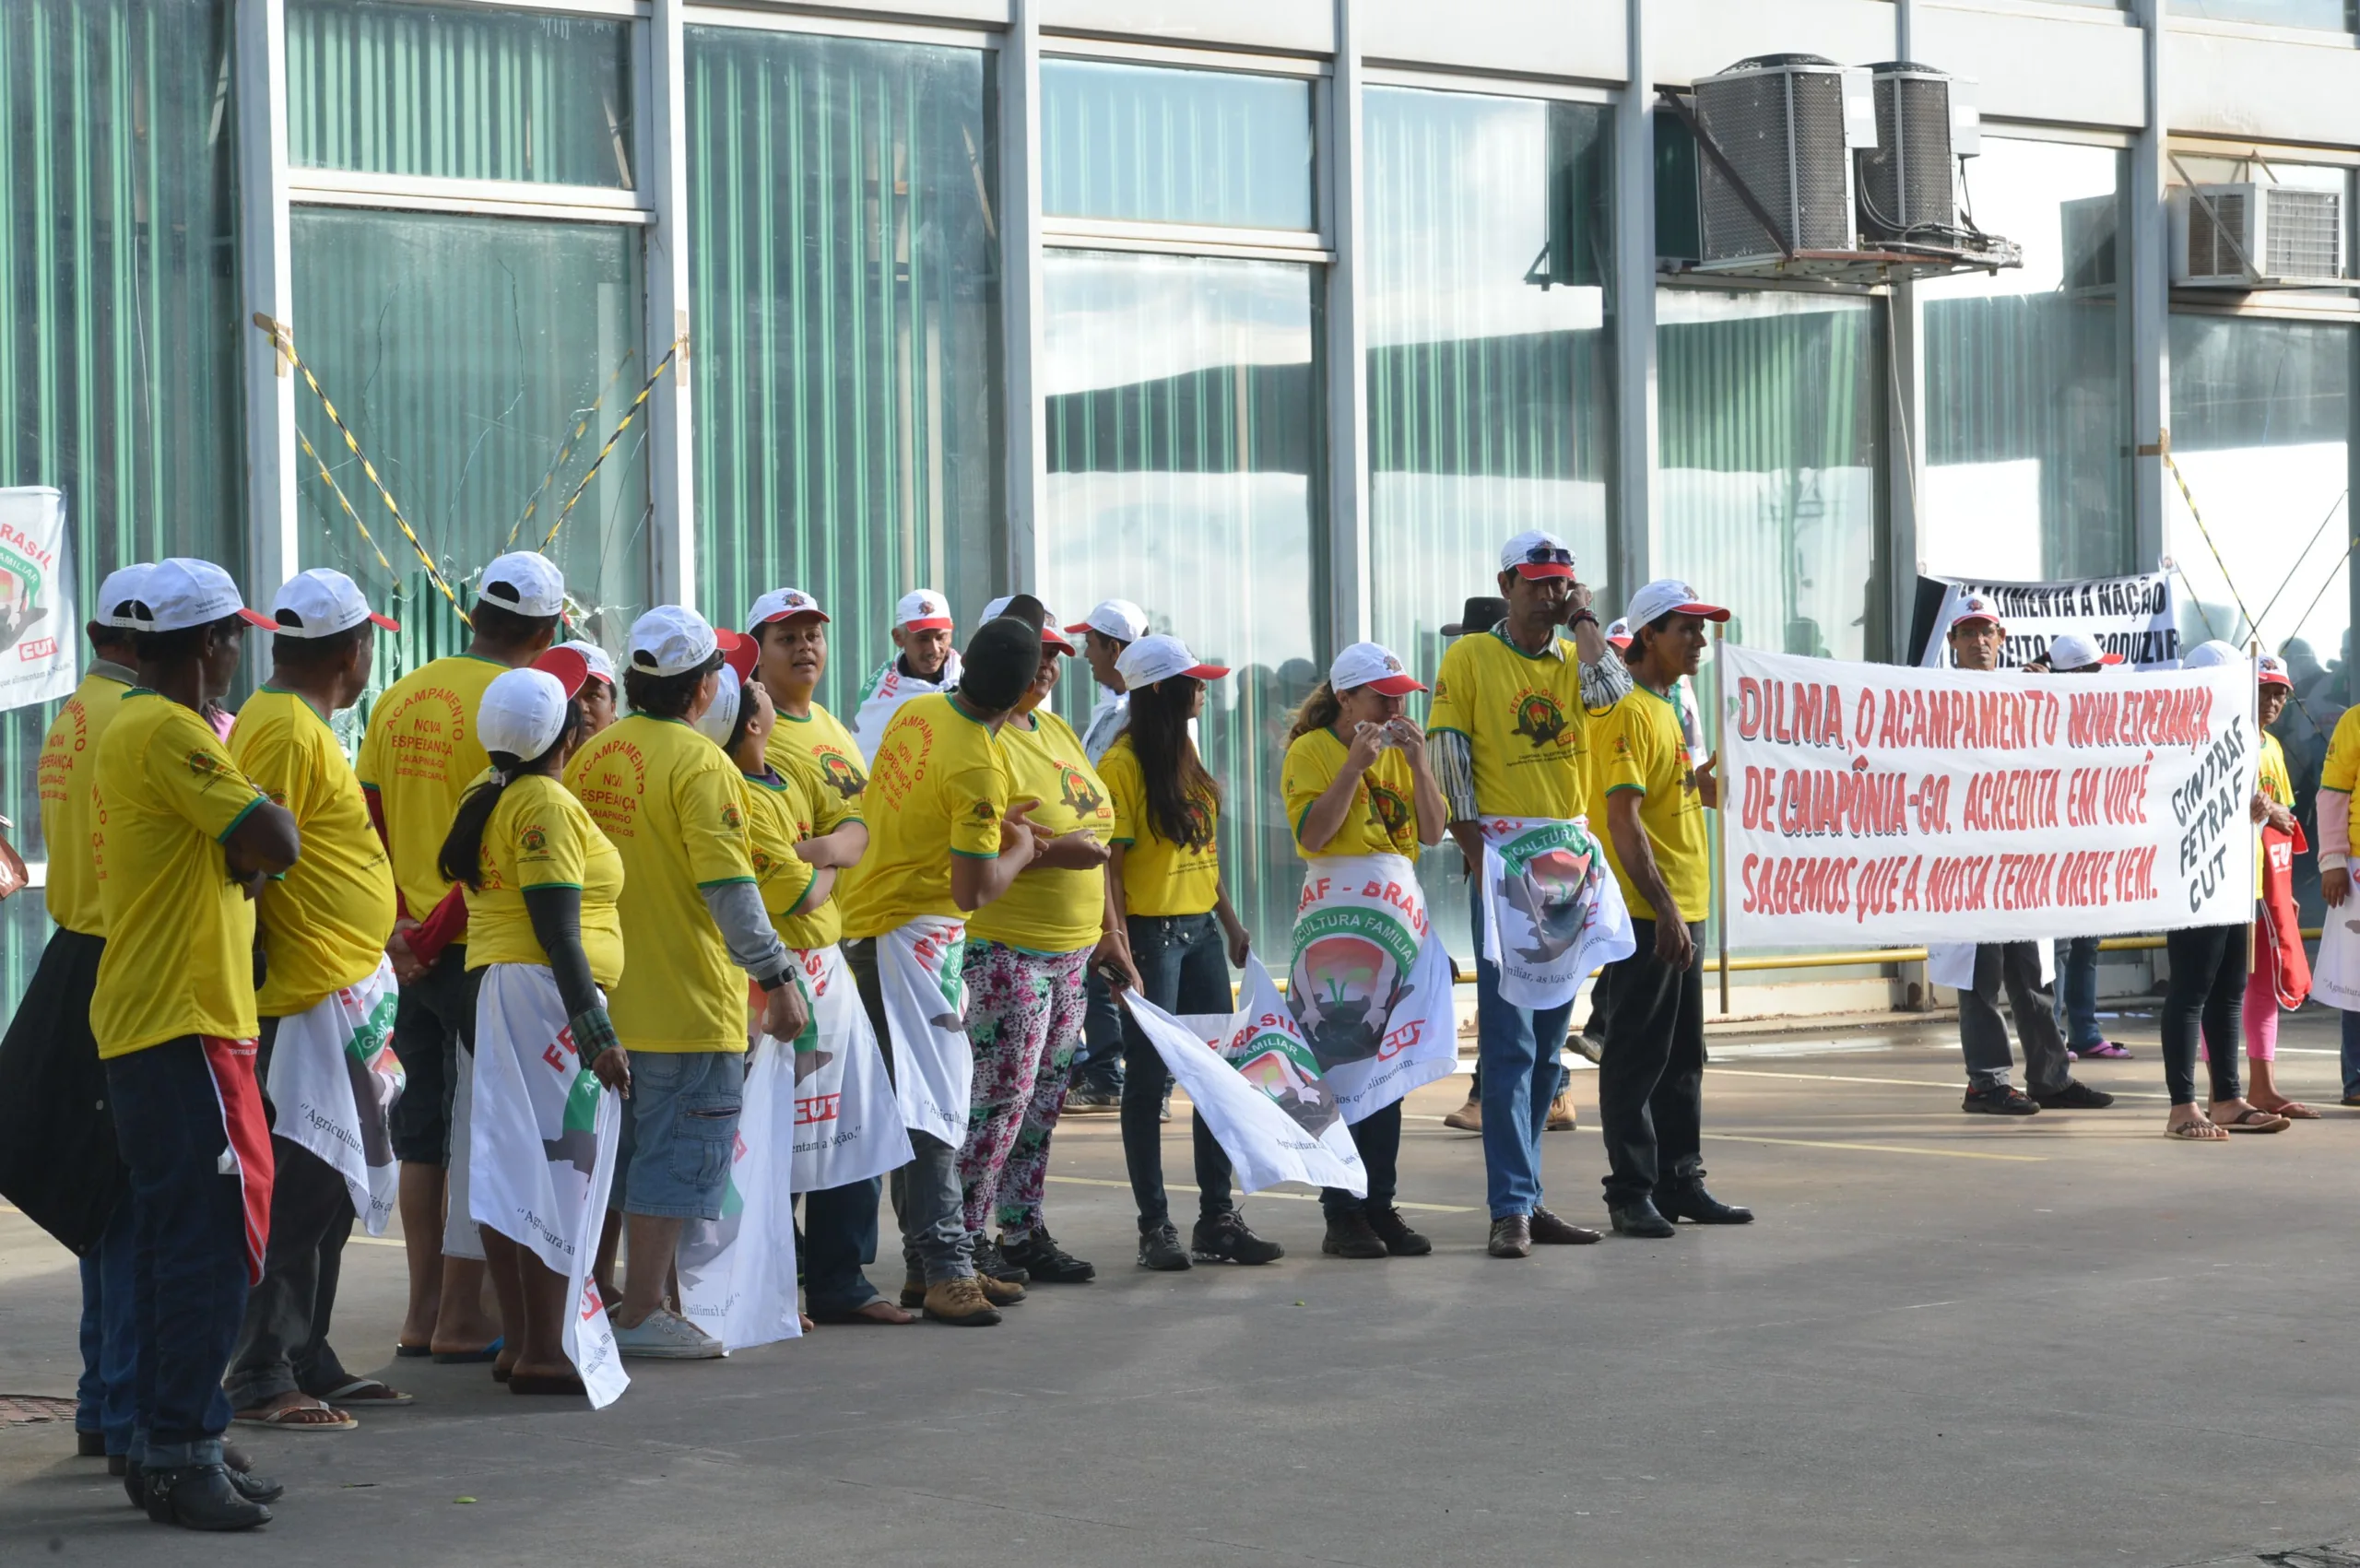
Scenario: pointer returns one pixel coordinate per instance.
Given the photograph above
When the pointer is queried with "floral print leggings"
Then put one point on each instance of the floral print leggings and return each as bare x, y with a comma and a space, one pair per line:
1024, 1013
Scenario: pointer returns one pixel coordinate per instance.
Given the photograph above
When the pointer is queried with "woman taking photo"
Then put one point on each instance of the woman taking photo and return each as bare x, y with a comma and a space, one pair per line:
544, 942
1357, 785
1165, 879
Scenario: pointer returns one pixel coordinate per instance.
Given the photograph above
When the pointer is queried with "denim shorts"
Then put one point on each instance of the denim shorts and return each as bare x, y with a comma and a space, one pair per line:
679, 1133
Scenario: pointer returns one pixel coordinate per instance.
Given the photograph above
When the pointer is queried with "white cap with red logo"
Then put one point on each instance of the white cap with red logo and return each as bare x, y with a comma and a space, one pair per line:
1974, 608
922, 609
1537, 554
179, 592
323, 602
1668, 596
782, 604
2272, 671
1371, 665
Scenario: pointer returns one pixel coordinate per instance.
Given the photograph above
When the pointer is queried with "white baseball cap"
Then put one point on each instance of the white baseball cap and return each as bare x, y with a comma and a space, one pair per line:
1668, 596
1118, 619
2208, 655
1975, 607
1052, 635
1370, 665
2273, 671
782, 604
671, 639
323, 602
179, 592
718, 719
526, 581
596, 661
121, 585
922, 609
522, 714
1161, 657
1537, 555
1619, 634
2071, 651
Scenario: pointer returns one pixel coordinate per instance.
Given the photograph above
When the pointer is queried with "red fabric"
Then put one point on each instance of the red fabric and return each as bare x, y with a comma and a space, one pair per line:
232, 1063
444, 924
2280, 926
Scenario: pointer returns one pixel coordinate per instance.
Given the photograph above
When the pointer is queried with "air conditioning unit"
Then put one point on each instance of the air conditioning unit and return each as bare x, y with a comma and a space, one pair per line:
1907, 184
2256, 235
1787, 124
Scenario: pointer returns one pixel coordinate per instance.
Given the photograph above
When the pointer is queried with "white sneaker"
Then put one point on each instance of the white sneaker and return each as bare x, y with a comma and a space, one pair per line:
665, 1335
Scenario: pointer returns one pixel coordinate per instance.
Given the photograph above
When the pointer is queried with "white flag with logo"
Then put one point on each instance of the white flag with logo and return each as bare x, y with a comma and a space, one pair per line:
921, 969
543, 1140
39, 629
1553, 910
737, 1272
847, 1124
883, 694
334, 1079
1369, 990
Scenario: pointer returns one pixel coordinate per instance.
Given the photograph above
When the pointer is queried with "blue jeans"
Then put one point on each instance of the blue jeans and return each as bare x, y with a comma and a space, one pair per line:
1098, 1066
1183, 968
2077, 993
679, 1133
104, 1399
1515, 1053
839, 1235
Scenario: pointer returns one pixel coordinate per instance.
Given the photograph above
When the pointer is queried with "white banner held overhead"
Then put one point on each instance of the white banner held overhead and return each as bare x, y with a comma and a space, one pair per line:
39, 628
2137, 617
1866, 804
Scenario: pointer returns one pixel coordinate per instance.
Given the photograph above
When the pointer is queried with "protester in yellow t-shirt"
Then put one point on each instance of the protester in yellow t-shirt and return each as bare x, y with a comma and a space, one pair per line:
544, 936
1165, 879
324, 927
184, 842
1651, 1078
691, 919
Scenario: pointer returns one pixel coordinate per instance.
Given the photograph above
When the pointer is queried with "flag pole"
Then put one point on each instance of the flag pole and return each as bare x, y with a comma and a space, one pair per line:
1720, 813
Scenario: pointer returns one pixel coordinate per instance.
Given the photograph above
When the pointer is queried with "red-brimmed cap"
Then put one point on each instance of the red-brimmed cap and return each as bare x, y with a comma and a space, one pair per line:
1668, 596
737, 651
568, 666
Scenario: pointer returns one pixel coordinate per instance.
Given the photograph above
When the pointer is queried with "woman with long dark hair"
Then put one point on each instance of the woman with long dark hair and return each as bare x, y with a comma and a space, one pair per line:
1165, 879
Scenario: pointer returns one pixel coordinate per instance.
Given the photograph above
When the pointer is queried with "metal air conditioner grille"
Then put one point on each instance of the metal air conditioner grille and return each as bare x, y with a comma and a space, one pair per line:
2215, 229
1925, 114
2305, 230
1747, 114
1823, 194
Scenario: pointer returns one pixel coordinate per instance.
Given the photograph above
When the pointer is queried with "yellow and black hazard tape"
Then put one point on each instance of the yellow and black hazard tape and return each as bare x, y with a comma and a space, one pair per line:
346, 502
566, 451
628, 415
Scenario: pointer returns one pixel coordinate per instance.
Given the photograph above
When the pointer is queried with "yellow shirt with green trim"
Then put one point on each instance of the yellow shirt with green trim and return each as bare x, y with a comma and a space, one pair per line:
1050, 910
668, 800
2277, 787
1528, 733
2341, 771
324, 923
1383, 818
936, 787
539, 836
1643, 746
778, 817
179, 958
68, 764
418, 754
1160, 876
823, 756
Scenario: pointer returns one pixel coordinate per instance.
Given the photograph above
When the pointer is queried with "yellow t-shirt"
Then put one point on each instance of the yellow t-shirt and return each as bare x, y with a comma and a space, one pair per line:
1644, 746
2277, 788
1047, 909
2341, 771
778, 817
1383, 815
180, 933
539, 836
1525, 725
823, 756
323, 924
669, 800
1159, 876
420, 753
68, 761
936, 787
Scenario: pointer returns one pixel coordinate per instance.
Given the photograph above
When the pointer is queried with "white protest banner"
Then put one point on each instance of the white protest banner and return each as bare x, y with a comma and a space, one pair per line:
921, 969
847, 1124
2136, 617
334, 1079
1553, 910
542, 1139
1369, 990
39, 628
737, 1272
1259, 1089
883, 694
1884, 804
2335, 977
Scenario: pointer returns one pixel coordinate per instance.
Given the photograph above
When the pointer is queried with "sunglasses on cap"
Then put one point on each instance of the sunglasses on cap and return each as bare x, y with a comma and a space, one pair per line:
1548, 555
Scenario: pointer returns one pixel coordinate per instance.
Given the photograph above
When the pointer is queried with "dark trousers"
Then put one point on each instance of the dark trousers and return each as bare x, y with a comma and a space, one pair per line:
1378, 1138
2012, 967
1183, 968
433, 1013
283, 1344
1651, 1076
838, 1236
1097, 1066
105, 1401
189, 1264
2208, 986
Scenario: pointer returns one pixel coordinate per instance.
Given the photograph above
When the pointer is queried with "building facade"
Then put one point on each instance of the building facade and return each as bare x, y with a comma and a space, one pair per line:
1273, 315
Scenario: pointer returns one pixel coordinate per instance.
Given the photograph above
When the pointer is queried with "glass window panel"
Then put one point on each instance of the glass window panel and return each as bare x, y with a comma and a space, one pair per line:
120, 322
845, 285
480, 362
1164, 146
1184, 454
388, 87
2027, 435
1770, 407
1490, 409
2335, 14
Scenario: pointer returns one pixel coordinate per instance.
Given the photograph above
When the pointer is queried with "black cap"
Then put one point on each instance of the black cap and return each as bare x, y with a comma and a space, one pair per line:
1002, 658
1481, 615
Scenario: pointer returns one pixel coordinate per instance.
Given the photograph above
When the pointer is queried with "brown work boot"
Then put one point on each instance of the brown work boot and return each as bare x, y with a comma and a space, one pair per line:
999, 1293
1512, 1237
1468, 1117
960, 1303
1561, 1114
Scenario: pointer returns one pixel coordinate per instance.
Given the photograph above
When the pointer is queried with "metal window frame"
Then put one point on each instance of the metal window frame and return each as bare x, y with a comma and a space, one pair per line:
704, 14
